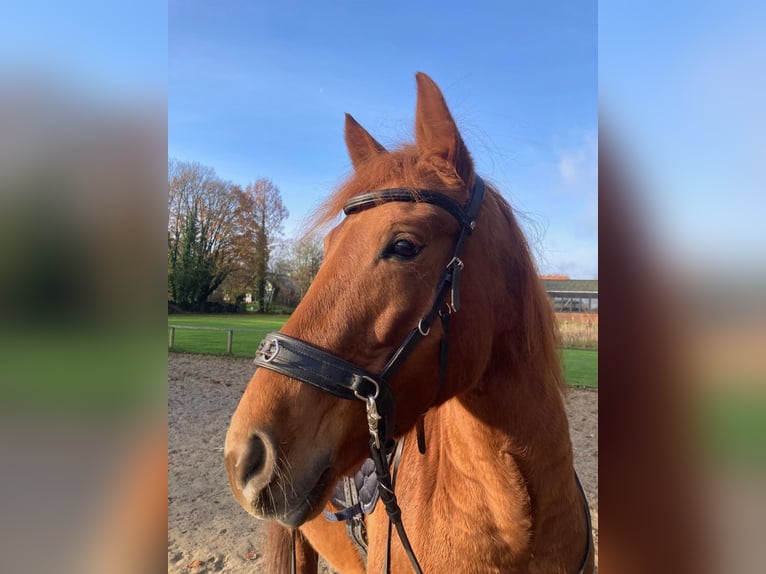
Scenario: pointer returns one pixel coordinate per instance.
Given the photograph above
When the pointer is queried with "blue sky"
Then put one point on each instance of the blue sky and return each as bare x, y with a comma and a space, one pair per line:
259, 89
114, 50
683, 87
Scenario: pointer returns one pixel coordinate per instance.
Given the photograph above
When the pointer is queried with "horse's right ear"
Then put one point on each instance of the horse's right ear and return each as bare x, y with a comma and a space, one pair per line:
435, 130
361, 145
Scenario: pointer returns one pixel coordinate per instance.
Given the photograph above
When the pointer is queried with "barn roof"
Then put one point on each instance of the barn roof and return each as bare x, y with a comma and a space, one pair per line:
571, 285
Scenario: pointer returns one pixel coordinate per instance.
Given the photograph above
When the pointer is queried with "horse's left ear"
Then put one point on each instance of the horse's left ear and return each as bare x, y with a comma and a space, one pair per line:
436, 131
361, 145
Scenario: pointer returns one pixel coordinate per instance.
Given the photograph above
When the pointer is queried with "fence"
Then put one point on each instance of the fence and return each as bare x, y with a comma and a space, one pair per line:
210, 344
577, 332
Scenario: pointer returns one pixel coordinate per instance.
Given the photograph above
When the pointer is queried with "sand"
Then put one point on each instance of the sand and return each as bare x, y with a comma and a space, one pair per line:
207, 530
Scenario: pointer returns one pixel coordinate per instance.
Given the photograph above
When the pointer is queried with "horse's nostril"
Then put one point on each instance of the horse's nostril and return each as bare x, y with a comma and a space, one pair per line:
250, 464
253, 459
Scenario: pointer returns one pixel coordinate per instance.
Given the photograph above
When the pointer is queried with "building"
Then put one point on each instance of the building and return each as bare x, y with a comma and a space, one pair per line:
572, 295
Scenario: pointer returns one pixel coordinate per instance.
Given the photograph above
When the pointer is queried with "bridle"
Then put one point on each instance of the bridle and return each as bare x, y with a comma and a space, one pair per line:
309, 364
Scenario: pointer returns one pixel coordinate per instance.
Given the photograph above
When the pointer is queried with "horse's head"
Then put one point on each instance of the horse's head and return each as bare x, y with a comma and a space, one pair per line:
289, 442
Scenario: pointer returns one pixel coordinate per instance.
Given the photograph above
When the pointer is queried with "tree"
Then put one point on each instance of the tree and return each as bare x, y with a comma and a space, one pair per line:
292, 267
201, 217
306, 259
258, 226
219, 235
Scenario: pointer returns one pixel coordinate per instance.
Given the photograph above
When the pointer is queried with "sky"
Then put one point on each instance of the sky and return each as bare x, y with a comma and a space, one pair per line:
259, 89
682, 86
112, 50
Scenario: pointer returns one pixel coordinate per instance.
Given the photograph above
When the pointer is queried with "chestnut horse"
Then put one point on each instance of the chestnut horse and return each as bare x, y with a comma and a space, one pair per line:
495, 490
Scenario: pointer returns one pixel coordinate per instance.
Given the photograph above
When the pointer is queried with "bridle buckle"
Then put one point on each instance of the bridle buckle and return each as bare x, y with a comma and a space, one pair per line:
373, 416
456, 261
263, 351
454, 268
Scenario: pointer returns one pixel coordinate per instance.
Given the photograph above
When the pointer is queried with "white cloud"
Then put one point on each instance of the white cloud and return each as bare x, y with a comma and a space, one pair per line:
568, 254
568, 168
569, 245
578, 170
578, 167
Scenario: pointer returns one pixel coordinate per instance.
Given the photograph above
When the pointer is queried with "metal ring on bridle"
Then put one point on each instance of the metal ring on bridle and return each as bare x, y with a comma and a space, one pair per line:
456, 260
420, 328
269, 358
377, 389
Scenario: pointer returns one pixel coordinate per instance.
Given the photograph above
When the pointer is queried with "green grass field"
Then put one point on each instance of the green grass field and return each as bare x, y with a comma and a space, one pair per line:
580, 366
253, 329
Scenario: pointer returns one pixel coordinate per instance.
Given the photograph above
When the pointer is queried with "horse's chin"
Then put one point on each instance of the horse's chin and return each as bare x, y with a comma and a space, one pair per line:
300, 507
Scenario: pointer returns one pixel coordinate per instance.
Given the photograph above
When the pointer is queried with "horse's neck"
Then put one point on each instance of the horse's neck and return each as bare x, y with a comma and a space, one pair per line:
509, 438
508, 426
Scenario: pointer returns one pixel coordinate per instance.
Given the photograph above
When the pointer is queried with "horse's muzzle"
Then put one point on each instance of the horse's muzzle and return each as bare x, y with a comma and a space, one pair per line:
263, 485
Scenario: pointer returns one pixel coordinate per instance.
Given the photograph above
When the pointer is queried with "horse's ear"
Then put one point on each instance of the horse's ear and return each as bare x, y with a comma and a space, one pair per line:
435, 130
361, 145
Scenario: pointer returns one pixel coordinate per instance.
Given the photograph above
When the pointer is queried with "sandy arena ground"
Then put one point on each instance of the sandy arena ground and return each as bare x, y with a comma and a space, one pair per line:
207, 530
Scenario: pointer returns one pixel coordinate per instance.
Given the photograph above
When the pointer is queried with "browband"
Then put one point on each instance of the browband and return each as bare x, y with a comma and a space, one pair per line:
374, 198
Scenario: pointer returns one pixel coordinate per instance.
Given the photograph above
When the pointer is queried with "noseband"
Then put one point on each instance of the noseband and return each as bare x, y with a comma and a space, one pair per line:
309, 364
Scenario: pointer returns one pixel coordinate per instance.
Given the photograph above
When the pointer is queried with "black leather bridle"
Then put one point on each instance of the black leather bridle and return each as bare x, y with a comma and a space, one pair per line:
309, 364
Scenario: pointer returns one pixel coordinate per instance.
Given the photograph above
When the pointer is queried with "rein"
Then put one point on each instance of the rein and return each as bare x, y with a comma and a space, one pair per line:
311, 365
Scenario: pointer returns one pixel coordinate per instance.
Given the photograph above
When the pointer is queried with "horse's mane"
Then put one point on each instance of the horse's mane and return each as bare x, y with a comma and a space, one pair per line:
534, 322
532, 331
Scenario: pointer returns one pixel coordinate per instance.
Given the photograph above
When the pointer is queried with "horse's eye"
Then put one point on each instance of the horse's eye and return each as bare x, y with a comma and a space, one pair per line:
402, 249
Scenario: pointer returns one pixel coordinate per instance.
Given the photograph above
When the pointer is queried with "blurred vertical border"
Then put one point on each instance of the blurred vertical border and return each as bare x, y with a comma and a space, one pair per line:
682, 261
83, 368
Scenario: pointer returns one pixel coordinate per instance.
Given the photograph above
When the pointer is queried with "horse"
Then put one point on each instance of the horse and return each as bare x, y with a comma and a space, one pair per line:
427, 337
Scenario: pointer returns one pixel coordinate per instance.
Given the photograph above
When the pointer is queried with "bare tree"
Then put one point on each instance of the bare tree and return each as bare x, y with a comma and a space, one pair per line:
259, 221
201, 219
307, 255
